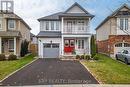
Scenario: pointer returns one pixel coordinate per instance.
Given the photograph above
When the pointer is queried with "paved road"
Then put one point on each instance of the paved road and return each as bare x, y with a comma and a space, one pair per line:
50, 72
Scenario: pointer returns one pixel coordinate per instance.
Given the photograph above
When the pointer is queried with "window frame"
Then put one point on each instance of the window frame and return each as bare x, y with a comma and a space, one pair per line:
72, 43
124, 23
47, 25
12, 49
57, 25
81, 24
66, 43
81, 44
1, 23
52, 25
14, 24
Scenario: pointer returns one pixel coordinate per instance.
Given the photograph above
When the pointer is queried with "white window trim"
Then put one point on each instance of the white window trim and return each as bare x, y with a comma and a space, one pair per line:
1, 19
8, 44
81, 47
50, 27
124, 23
14, 25
81, 25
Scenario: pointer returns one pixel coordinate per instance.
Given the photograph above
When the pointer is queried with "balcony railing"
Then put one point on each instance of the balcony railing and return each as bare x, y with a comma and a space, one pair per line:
76, 29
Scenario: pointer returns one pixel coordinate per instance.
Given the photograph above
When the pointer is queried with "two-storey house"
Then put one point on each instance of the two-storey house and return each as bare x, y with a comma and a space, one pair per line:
113, 34
13, 30
65, 33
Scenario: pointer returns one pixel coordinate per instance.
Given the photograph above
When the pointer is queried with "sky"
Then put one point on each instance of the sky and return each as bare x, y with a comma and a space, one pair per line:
31, 10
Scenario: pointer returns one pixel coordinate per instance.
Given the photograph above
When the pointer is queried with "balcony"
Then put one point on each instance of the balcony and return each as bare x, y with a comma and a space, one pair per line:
76, 29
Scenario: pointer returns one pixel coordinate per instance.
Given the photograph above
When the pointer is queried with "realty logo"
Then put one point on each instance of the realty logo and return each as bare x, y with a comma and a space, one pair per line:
6, 5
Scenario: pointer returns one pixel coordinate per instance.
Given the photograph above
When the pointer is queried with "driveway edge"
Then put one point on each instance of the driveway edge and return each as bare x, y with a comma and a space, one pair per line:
18, 70
91, 73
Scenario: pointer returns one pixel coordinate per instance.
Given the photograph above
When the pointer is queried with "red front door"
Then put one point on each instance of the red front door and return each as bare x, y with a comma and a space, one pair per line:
69, 45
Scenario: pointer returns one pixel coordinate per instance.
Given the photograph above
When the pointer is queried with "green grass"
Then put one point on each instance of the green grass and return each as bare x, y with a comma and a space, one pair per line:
7, 67
109, 71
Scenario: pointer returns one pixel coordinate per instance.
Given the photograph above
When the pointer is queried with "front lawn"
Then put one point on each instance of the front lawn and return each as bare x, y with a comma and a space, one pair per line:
7, 67
109, 71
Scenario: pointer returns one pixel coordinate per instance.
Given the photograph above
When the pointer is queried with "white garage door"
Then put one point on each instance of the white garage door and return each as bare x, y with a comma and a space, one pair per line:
50, 50
121, 46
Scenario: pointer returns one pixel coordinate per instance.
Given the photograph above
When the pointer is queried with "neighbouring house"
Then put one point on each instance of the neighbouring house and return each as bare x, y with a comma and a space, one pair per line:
65, 33
33, 46
33, 38
13, 30
113, 34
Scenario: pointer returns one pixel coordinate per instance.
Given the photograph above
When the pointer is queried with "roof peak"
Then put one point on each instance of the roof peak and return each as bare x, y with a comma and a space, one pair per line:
113, 13
76, 4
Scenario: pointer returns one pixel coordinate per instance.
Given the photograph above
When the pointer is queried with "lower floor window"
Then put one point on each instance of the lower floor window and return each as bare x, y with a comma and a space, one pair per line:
11, 45
80, 44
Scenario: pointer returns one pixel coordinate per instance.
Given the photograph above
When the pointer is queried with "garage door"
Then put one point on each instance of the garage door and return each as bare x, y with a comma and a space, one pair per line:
121, 46
50, 50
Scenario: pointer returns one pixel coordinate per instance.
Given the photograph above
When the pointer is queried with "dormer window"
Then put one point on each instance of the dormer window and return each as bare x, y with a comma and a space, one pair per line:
124, 13
11, 24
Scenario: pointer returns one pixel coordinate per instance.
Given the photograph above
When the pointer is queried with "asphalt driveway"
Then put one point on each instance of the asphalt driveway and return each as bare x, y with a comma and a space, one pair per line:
51, 71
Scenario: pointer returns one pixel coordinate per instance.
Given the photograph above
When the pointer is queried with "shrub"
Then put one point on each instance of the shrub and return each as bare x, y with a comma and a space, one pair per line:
93, 46
73, 52
82, 57
77, 56
2, 57
24, 48
12, 57
87, 57
96, 57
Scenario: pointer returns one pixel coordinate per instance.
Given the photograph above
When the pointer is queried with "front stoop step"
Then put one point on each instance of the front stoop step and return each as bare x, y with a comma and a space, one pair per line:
68, 58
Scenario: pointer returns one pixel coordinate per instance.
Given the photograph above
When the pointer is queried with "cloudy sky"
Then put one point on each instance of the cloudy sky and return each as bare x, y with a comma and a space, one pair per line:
31, 10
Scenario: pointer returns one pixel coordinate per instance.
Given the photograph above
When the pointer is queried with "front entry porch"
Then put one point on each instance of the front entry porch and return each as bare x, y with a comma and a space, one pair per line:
76, 46
8, 45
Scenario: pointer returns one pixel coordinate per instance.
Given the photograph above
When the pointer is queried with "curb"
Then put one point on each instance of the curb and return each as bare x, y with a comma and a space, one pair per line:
91, 73
17, 70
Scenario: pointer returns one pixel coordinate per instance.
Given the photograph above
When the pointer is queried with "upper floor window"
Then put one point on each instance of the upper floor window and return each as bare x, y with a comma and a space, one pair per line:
52, 25
11, 24
124, 24
57, 25
47, 25
0, 23
81, 25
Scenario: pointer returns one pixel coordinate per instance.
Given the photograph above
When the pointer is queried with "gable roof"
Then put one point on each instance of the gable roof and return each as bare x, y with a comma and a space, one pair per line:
76, 4
12, 15
112, 15
56, 16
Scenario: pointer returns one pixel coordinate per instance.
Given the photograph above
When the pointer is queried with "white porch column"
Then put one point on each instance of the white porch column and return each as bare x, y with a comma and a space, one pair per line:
62, 25
0, 45
62, 30
15, 46
62, 46
89, 41
89, 24
19, 25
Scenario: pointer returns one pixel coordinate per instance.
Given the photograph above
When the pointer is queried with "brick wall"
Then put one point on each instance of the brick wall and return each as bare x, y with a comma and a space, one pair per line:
102, 46
107, 46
